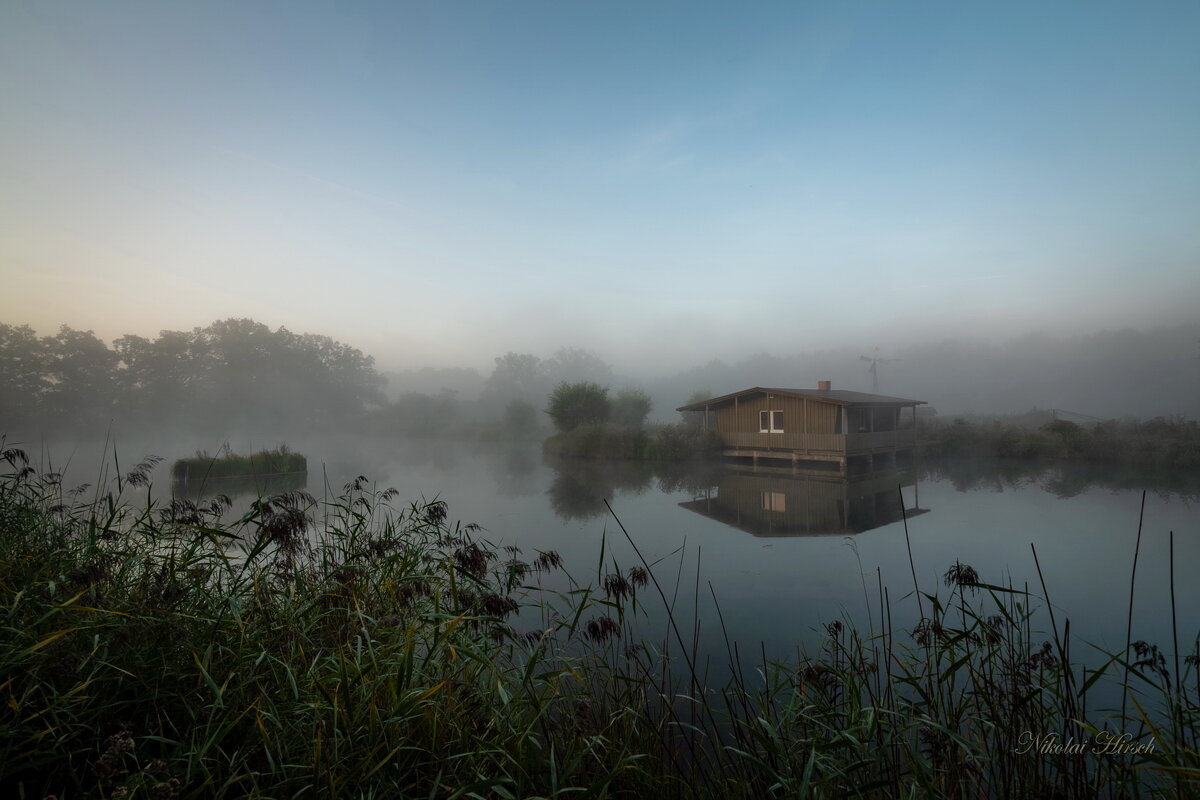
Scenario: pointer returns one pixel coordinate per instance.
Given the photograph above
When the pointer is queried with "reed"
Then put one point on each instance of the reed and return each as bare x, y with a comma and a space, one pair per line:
360, 647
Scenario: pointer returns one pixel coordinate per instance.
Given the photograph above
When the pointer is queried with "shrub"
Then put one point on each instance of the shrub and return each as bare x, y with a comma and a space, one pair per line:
678, 442
575, 404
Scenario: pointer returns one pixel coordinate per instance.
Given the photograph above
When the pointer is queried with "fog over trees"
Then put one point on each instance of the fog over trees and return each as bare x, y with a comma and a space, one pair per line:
238, 374
235, 373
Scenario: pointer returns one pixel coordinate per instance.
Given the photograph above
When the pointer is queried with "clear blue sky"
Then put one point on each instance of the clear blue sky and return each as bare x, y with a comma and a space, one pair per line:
439, 183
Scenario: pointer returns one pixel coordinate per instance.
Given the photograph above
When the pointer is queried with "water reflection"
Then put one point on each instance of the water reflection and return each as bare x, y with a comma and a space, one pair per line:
778, 502
580, 487
1061, 480
516, 470
763, 501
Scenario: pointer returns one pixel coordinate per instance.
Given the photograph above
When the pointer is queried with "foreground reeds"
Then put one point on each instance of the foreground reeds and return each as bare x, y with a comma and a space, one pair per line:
356, 649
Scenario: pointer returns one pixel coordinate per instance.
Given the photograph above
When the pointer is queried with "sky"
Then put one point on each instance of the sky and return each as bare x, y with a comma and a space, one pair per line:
662, 183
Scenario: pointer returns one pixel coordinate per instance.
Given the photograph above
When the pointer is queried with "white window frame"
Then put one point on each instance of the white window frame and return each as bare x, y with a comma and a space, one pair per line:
770, 426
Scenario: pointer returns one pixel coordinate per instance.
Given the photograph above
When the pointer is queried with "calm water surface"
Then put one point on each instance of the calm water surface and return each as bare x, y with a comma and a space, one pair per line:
785, 554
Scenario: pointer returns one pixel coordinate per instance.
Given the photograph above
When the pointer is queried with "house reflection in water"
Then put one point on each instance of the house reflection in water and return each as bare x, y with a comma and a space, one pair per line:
781, 502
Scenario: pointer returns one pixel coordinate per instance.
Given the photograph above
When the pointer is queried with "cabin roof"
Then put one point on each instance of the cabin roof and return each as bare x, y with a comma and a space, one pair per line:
841, 397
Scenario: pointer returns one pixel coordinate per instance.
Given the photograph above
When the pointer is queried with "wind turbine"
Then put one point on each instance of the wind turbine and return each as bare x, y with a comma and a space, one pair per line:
876, 360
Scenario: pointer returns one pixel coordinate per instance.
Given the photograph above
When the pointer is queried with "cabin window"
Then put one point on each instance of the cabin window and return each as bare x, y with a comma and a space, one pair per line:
774, 501
770, 422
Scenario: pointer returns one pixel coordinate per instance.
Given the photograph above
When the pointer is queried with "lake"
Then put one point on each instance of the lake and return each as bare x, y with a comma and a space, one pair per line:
785, 553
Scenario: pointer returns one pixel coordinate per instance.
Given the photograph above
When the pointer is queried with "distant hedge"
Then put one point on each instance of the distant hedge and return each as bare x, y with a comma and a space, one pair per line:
1162, 442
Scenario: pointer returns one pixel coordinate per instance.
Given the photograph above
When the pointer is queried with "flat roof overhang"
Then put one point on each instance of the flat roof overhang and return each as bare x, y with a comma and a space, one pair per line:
841, 397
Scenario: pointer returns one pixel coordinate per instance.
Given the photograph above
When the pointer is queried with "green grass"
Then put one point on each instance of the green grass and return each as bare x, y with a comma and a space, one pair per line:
360, 648
228, 464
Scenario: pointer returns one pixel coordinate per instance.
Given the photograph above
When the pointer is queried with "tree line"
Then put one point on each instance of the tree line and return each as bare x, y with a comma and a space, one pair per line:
241, 374
234, 372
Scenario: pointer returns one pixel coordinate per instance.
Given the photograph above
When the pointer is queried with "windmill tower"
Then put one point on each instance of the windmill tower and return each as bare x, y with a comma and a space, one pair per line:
876, 360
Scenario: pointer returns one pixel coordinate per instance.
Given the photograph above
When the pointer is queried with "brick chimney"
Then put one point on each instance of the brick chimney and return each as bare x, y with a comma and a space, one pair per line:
824, 386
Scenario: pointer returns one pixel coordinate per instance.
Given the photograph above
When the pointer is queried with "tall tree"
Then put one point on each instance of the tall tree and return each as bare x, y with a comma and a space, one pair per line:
517, 376
23, 362
81, 371
233, 372
573, 365
159, 378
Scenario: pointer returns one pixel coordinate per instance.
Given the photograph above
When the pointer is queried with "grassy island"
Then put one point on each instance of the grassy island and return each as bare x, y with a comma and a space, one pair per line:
202, 466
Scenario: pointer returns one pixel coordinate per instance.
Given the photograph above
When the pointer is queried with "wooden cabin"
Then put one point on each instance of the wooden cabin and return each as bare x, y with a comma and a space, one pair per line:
822, 426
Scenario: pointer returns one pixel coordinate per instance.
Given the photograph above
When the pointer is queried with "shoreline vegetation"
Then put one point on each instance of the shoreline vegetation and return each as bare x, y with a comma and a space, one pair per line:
360, 647
1160, 443
592, 425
